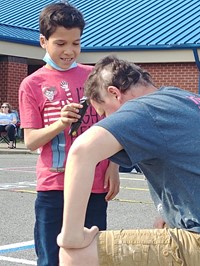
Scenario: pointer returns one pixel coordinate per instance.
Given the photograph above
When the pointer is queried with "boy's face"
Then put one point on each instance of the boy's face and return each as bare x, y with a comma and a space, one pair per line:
63, 46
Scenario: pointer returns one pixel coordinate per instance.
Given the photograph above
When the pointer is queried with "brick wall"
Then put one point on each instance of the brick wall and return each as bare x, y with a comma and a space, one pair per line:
12, 71
182, 75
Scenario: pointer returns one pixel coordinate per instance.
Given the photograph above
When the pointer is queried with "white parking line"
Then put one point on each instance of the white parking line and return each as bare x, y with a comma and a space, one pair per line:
18, 167
23, 184
21, 261
11, 248
132, 178
16, 170
22, 169
16, 246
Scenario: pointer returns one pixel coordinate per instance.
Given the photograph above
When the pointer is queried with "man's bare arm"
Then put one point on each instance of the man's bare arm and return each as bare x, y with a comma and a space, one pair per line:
94, 145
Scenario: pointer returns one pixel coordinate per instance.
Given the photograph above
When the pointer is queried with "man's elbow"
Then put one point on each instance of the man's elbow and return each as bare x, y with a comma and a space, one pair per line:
78, 149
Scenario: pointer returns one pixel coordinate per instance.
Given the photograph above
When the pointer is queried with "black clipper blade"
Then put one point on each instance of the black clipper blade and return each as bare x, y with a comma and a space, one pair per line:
75, 126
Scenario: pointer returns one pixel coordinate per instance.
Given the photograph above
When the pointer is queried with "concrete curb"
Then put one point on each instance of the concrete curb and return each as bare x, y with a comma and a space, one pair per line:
20, 149
16, 151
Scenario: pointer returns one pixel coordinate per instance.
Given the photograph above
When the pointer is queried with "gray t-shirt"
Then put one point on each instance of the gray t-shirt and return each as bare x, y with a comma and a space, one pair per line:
161, 132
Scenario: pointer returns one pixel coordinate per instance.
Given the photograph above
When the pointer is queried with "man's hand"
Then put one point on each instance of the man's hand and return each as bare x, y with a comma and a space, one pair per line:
79, 257
79, 240
159, 223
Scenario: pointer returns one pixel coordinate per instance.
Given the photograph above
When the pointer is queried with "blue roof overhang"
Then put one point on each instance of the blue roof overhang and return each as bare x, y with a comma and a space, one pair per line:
141, 48
14, 39
19, 41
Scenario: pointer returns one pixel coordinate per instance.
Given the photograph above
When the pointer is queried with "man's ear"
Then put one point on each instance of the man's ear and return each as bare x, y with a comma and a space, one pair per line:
115, 92
42, 41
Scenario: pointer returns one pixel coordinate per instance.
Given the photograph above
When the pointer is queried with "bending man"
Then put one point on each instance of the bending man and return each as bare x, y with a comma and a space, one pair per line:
156, 128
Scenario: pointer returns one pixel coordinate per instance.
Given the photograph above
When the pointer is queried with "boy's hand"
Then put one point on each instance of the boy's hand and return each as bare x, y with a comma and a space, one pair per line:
69, 113
112, 181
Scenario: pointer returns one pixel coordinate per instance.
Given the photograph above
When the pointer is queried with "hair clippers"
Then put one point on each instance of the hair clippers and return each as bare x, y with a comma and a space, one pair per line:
75, 126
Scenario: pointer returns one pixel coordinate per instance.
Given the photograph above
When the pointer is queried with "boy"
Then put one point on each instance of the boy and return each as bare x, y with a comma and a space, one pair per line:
157, 134
48, 105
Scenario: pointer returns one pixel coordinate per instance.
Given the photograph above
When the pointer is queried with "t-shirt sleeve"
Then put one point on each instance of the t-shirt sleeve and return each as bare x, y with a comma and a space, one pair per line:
135, 129
30, 116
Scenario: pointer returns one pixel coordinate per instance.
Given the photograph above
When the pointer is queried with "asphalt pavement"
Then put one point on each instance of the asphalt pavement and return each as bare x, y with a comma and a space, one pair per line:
131, 208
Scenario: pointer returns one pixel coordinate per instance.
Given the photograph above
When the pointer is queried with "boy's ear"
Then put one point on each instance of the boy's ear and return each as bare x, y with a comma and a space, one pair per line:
42, 41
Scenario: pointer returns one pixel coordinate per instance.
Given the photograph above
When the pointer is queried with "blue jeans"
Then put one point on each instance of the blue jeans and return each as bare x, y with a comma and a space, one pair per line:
10, 129
49, 213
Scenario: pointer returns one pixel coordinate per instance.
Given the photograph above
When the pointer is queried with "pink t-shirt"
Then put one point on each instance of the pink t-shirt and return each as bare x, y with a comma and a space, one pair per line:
41, 97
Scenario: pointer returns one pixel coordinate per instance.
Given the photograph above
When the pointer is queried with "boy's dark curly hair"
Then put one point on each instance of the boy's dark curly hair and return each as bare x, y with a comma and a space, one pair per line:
60, 14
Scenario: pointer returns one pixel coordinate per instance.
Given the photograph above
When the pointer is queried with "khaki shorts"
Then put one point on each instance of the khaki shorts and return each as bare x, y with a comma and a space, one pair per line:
155, 247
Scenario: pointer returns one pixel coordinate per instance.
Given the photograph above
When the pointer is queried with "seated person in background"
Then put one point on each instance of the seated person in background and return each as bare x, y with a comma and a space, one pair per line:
8, 122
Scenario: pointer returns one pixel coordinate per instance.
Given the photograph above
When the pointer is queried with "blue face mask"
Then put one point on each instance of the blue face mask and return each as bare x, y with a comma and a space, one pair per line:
50, 62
